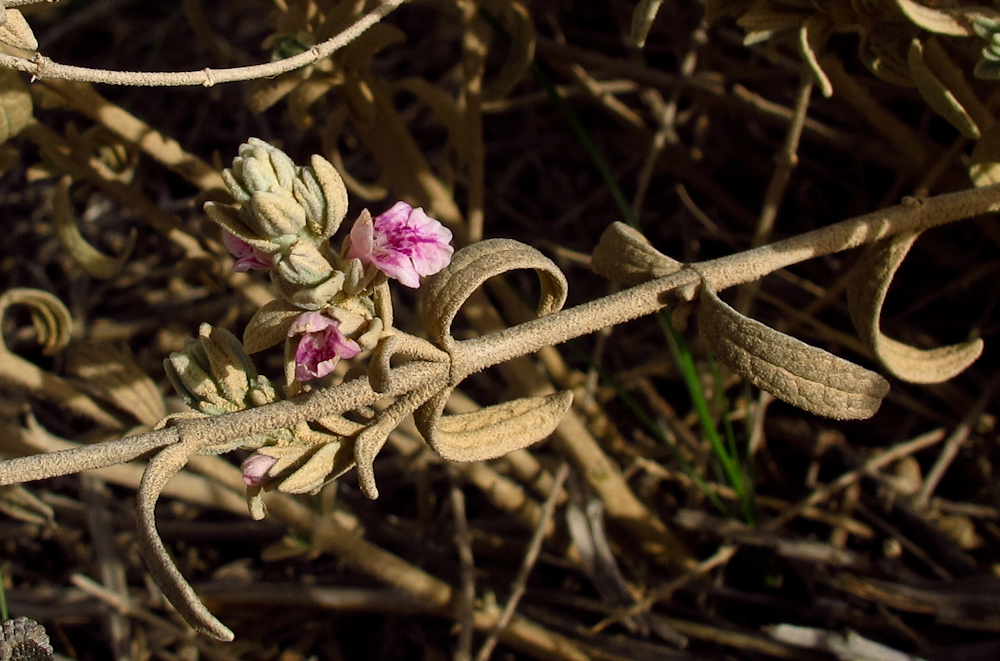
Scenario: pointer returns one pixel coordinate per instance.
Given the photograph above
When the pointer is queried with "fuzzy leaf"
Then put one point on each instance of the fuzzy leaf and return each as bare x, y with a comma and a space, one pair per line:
866, 294
269, 326
938, 94
94, 262
321, 467
625, 256
16, 32
168, 577
446, 292
791, 370
493, 431
15, 104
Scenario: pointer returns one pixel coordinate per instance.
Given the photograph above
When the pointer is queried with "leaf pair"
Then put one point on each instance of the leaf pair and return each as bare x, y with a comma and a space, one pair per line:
489, 432
798, 373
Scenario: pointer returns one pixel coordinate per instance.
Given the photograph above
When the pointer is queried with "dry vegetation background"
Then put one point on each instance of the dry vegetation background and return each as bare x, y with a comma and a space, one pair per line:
889, 528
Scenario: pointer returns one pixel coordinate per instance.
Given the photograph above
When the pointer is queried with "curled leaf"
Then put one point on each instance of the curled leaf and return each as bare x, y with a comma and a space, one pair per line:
625, 256
791, 370
520, 55
938, 93
866, 295
368, 443
495, 430
492, 431
49, 316
53, 326
94, 262
170, 580
446, 292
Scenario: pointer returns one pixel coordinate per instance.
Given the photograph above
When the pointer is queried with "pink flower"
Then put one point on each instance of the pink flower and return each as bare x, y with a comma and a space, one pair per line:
321, 346
247, 257
404, 243
255, 468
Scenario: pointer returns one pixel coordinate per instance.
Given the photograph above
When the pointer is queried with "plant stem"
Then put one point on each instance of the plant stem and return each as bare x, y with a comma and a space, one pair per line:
912, 216
470, 356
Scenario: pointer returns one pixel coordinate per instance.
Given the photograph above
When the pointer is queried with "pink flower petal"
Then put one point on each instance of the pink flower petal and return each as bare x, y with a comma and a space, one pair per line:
247, 257
361, 238
322, 345
403, 242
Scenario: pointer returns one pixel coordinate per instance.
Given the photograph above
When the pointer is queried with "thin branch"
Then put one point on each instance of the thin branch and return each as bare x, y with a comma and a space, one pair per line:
42, 67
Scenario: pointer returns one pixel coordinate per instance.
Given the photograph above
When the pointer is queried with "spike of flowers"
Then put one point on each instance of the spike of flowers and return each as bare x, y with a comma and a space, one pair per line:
404, 243
322, 345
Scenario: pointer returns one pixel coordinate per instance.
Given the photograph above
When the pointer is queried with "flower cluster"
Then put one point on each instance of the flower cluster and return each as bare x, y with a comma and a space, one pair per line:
331, 303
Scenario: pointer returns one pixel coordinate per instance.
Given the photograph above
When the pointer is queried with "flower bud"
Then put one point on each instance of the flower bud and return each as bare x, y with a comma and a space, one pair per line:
279, 198
303, 264
214, 375
255, 468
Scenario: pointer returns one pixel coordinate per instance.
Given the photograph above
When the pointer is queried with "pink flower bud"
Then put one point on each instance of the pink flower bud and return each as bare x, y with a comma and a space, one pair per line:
247, 257
404, 243
321, 346
255, 468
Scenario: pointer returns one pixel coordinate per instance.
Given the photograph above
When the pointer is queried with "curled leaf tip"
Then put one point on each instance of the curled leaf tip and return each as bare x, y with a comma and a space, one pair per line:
870, 282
